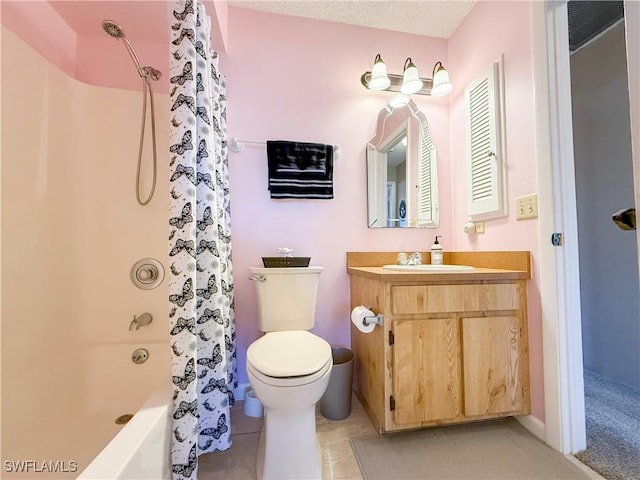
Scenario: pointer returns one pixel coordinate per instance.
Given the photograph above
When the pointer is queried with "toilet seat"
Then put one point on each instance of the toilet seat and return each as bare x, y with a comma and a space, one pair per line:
289, 354
289, 381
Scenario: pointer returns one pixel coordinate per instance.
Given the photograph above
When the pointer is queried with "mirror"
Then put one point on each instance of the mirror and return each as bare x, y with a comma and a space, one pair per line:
402, 178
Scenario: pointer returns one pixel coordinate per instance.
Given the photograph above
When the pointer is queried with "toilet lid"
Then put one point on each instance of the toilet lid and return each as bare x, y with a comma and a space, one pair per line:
289, 354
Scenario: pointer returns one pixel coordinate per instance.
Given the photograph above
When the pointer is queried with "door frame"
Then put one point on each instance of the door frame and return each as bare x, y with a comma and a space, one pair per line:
560, 276
632, 32
560, 273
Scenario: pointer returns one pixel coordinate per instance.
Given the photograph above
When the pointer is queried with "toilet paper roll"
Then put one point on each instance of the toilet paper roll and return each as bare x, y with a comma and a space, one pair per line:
252, 406
358, 315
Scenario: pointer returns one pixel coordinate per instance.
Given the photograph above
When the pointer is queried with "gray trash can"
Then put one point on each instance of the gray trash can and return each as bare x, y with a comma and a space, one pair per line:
335, 404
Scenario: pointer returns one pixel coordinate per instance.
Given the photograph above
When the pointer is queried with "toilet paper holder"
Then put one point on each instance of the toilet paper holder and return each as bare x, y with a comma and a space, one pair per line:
376, 319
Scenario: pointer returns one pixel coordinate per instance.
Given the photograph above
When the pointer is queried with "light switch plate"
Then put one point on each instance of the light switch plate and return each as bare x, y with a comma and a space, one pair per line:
527, 206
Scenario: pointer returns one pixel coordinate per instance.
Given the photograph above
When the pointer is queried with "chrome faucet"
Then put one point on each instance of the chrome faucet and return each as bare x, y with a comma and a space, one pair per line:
413, 259
140, 321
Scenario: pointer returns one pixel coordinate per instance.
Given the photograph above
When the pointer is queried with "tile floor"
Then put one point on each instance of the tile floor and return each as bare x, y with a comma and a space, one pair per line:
239, 462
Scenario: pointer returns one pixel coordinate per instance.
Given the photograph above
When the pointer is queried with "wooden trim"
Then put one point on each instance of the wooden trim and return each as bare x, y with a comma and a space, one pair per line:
434, 278
374, 259
507, 260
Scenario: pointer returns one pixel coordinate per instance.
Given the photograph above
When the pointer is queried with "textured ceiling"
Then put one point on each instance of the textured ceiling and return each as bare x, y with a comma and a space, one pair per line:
69, 32
423, 17
587, 19
146, 20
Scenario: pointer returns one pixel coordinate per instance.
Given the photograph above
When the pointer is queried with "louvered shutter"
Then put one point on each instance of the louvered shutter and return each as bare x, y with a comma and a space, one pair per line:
427, 181
485, 164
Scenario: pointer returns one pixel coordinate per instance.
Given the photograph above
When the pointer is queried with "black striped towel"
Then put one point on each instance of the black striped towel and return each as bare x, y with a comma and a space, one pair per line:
300, 170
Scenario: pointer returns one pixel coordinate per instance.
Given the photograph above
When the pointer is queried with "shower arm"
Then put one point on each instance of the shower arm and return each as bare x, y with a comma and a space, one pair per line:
141, 71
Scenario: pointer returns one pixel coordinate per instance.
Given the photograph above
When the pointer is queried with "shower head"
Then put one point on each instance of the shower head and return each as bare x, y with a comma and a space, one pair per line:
112, 28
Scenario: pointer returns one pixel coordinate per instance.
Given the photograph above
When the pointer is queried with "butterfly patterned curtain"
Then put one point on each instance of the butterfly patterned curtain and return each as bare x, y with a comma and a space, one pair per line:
201, 283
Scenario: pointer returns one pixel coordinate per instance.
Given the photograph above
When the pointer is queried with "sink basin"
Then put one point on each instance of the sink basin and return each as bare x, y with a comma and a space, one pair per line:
429, 268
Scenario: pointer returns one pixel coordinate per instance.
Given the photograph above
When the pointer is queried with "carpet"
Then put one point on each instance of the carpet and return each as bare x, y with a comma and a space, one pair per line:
496, 449
612, 412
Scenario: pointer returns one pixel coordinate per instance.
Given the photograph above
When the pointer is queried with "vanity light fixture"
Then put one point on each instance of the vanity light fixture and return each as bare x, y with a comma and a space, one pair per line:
441, 85
379, 79
409, 82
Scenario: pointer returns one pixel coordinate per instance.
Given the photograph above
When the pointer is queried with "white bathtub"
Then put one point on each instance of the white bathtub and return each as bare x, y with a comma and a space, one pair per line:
141, 450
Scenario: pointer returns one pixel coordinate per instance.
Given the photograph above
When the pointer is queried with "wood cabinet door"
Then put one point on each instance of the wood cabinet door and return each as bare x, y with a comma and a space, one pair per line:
426, 370
491, 351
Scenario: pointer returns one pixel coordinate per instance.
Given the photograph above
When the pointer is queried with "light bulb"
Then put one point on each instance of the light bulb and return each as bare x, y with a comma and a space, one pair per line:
379, 79
441, 84
411, 82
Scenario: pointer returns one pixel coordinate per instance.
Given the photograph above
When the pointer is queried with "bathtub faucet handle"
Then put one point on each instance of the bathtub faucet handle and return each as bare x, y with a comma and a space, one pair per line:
140, 321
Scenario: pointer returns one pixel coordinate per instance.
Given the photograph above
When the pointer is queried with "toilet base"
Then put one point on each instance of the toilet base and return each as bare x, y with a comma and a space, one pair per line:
288, 447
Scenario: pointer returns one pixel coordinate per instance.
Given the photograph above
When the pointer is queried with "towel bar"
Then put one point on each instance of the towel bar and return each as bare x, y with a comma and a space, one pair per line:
236, 146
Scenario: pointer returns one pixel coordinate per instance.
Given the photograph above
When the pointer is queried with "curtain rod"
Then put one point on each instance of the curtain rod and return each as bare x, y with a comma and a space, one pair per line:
236, 146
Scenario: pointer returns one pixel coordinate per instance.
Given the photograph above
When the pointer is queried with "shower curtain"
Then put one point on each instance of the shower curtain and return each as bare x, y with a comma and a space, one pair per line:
200, 281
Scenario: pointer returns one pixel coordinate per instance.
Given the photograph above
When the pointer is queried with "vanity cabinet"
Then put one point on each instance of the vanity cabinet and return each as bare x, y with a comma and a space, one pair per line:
453, 347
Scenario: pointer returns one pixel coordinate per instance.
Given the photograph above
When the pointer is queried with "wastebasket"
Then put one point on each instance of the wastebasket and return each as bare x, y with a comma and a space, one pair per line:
335, 404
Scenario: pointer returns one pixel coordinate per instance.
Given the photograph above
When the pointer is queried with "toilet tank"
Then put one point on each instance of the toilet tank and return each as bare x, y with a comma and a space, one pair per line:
286, 297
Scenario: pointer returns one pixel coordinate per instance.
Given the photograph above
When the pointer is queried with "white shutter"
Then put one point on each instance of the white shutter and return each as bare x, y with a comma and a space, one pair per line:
486, 178
427, 181
377, 186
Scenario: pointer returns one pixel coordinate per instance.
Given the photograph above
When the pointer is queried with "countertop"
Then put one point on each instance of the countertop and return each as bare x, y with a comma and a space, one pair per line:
477, 274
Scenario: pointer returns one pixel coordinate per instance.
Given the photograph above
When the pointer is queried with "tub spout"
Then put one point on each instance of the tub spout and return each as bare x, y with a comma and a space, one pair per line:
140, 321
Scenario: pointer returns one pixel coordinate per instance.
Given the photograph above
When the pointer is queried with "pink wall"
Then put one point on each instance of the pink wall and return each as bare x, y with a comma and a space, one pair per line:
57, 42
299, 79
75, 42
314, 95
491, 29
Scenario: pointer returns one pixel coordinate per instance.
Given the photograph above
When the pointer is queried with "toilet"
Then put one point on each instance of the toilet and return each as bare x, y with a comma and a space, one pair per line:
288, 369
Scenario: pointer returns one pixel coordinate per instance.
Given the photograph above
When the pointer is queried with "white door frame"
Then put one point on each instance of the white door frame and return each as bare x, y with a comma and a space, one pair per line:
560, 274
632, 31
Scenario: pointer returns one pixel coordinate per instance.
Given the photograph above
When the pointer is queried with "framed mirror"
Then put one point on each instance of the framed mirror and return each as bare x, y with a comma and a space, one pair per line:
402, 177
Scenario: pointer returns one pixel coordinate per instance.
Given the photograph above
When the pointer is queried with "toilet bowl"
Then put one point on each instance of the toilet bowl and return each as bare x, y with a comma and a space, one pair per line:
289, 371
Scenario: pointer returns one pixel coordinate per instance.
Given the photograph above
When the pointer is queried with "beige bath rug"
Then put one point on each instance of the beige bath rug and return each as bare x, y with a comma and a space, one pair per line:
497, 449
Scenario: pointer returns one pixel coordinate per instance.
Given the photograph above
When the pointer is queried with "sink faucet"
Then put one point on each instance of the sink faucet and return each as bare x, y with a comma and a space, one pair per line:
140, 321
413, 259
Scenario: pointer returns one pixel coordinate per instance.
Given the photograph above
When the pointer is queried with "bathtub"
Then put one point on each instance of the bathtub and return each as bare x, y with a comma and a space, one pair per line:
141, 450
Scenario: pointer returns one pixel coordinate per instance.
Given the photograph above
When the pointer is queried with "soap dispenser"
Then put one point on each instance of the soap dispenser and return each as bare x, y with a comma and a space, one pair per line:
436, 252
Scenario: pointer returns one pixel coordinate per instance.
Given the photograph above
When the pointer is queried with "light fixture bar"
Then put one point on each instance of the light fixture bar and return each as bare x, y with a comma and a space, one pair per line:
396, 83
